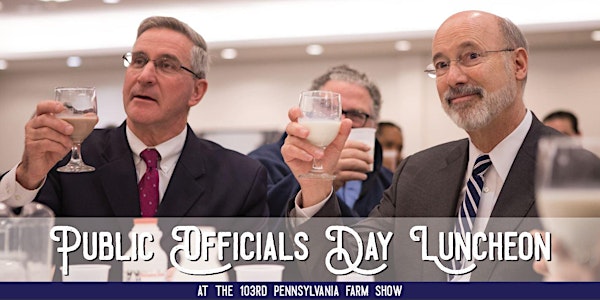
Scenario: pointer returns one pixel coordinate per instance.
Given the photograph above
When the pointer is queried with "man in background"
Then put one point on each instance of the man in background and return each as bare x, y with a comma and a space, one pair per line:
563, 121
359, 190
390, 137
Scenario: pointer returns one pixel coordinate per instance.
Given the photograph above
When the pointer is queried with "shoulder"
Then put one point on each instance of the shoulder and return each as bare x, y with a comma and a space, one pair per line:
214, 154
269, 154
442, 150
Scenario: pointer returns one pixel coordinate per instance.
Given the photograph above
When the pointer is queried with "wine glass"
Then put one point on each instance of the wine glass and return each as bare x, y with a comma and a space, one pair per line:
322, 114
81, 112
568, 194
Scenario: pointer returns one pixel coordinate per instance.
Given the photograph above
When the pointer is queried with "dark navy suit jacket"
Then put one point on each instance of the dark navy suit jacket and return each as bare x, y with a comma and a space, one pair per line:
282, 185
208, 181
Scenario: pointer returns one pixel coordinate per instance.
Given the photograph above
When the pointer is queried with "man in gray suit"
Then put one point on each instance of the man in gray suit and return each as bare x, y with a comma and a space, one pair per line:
480, 62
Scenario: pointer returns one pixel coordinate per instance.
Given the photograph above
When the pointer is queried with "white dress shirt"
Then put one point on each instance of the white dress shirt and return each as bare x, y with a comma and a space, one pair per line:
502, 157
15, 195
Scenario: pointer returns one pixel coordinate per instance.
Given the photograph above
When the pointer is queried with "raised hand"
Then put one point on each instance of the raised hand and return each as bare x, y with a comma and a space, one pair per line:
298, 154
47, 140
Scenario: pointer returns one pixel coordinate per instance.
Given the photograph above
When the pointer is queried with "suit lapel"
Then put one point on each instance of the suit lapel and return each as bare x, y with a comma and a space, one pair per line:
117, 174
517, 197
444, 184
185, 187
446, 181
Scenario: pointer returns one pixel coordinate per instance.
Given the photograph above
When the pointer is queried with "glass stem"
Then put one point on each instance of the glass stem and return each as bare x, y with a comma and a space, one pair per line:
317, 166
76, 153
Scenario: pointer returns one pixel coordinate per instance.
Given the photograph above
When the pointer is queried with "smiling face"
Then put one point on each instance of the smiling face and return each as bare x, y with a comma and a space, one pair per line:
155, 102
473, 96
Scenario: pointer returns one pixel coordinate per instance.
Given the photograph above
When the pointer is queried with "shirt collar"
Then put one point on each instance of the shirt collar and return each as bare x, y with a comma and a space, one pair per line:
503, 155
169, 150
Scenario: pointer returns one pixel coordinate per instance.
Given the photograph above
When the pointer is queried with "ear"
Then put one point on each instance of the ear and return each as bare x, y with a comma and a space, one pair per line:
200, 87
521, 63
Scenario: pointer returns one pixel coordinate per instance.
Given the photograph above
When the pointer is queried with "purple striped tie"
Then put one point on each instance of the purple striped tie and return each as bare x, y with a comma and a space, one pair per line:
148, 185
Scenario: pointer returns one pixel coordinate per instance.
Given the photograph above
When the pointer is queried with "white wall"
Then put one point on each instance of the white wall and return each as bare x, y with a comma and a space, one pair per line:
257, 95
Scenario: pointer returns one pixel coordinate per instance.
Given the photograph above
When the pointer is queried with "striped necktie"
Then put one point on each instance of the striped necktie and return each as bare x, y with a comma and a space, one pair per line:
468, 208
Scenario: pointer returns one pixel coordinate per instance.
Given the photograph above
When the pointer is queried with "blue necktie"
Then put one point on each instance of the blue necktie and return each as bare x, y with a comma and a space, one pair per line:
468, 208
349, 192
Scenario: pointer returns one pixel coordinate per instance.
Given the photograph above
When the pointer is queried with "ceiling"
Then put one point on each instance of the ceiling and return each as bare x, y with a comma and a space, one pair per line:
256, 45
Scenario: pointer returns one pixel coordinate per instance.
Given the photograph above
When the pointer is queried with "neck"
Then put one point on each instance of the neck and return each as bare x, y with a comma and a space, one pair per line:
486, 138
154, 135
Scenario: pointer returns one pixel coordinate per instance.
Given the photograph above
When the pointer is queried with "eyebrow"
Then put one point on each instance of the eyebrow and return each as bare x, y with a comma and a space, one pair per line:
169, 56
462, 46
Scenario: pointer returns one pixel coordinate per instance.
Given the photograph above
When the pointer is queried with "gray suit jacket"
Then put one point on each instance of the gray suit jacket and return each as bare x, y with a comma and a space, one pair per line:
427, 185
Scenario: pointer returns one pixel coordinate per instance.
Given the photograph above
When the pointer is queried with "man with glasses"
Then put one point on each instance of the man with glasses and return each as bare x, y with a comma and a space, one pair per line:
359, 189
164, 78
480, 64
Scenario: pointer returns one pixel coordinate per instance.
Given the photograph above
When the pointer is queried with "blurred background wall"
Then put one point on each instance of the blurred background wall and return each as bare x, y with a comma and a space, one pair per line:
253, 92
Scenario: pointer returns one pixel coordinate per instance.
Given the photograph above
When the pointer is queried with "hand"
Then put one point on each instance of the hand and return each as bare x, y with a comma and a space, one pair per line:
563, 267
353, 163
46, 142
298, 154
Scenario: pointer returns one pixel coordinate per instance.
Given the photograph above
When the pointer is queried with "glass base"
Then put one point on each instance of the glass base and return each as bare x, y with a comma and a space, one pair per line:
76, 168
317, 175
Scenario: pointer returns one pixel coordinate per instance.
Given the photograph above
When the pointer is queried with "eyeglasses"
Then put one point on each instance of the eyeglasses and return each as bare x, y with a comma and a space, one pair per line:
468, 59
359, 118
164, 64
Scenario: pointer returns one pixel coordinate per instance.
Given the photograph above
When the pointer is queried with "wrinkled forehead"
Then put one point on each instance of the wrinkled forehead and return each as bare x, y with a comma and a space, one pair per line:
467, 30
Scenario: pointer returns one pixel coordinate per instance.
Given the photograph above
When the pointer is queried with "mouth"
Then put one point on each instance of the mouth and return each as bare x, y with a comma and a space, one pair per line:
463, 95
143, 97
460, 98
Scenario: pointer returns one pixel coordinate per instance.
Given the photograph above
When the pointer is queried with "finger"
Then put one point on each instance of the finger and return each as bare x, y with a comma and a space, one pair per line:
338, 143
357, 145
291, 152
350, 175
48, 134
295, 129
294, 113
541, 267
353, 164
48, 107
50, 121
352, 153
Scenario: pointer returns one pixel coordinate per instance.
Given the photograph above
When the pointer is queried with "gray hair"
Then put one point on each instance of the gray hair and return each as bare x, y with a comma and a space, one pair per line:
513, 36
347, 74
199, 52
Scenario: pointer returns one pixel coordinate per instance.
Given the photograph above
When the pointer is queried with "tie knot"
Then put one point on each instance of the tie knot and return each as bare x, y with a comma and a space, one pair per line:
482, 163
150, 157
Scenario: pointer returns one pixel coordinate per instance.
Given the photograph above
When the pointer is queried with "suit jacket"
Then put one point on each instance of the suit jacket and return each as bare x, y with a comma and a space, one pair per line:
208, 181
282, 185
427, 185
201, 184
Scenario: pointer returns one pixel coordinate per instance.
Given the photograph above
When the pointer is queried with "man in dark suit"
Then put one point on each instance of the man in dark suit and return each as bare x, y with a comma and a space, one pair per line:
480, 62
166, 76
359, 189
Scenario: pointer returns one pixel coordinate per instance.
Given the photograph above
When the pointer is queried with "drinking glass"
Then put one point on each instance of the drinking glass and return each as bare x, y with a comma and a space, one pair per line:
568, 194
81, 112
322, 114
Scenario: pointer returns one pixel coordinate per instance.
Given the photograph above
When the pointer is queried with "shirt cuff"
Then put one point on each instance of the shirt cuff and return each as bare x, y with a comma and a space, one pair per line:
12, 193
303, 214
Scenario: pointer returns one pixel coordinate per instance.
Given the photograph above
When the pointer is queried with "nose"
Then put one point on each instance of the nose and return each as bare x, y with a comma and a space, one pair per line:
455, 75
147, 74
